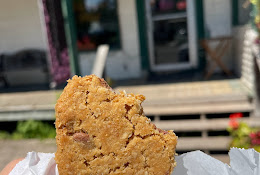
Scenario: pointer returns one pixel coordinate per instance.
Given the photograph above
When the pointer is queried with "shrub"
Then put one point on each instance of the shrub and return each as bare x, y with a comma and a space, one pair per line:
30, 129
243, 136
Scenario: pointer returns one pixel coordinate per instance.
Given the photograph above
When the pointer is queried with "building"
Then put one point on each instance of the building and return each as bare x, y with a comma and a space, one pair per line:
144, 36
155, 36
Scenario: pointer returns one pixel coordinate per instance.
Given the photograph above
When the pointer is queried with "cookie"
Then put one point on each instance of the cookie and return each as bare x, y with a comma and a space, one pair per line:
103, 132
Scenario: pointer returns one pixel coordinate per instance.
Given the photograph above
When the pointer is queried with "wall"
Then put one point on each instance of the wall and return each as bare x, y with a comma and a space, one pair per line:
243, 47
247, 63
20, 26
238, 47
123, 63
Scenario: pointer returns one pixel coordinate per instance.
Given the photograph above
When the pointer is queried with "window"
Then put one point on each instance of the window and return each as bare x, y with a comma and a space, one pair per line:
170, 36
242, 10
96, 23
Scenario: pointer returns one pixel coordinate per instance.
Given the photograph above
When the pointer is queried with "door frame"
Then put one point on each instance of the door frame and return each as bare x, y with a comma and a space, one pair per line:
192, 40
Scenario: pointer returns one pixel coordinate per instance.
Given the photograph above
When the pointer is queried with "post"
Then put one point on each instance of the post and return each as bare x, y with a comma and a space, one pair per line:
70, 31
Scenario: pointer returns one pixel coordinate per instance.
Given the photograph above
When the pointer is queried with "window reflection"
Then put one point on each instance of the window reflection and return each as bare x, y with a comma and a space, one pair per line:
167, 6
96, 23
171, 41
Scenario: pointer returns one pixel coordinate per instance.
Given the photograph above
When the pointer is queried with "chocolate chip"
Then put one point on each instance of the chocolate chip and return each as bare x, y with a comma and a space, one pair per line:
81, 137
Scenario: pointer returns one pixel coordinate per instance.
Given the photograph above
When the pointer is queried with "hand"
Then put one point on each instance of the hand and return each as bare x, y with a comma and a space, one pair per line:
9, 167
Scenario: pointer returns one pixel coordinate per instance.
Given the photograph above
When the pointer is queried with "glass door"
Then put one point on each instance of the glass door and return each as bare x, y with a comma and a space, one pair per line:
171, 34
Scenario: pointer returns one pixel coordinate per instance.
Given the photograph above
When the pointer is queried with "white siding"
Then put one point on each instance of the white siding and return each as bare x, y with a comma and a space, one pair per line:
243, 45
20, 25
238, 48
247, 76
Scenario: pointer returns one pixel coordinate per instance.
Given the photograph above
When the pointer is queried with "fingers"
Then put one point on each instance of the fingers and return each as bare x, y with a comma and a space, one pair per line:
9, 167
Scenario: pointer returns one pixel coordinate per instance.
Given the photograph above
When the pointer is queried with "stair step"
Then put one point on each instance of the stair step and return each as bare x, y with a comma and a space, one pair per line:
199, 143
160, 100
18, 108
222, 157
201, 125
209, 108
27, 114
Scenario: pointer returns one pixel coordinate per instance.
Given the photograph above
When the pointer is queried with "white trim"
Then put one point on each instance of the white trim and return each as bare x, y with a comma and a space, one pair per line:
192, 38
192, 32
150, 33
46, 42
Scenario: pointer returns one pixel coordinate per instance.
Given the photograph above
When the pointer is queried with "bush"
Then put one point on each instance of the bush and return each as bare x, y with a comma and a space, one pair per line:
30, 129
243, 136
4, 135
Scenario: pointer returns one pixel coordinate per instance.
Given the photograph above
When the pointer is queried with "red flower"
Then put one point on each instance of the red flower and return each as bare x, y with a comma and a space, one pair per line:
255, 138
233, 123
235, 115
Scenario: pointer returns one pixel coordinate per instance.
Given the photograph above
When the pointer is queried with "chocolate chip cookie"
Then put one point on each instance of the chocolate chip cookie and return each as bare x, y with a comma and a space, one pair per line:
103, 132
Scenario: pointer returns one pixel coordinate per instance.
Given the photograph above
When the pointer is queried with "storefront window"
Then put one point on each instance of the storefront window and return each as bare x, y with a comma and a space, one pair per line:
96, 23
170, 36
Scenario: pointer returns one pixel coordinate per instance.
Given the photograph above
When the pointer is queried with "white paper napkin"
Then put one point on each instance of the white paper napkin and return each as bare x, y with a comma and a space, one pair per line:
242, 162
36, 164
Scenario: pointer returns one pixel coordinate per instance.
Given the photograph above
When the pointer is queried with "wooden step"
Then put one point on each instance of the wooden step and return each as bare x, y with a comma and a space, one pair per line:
201, 125
26, 112
18, 108
199, 143
209, 108
166, 100
26, 115
222, 157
